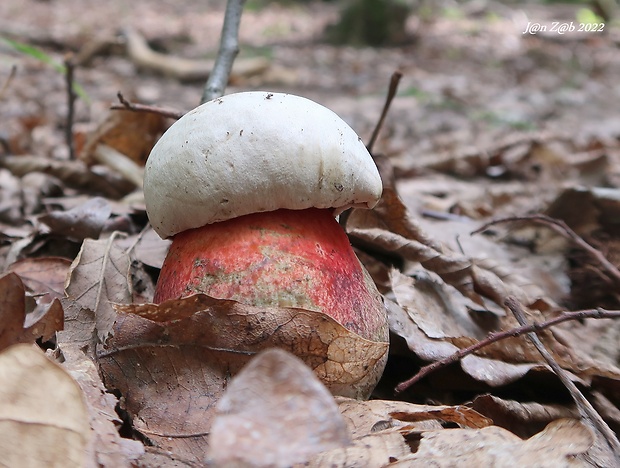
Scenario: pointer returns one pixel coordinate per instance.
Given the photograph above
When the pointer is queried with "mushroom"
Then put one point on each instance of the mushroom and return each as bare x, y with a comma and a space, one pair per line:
248, 187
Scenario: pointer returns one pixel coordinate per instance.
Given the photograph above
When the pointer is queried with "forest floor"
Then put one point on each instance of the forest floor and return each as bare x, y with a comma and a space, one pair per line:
488, 122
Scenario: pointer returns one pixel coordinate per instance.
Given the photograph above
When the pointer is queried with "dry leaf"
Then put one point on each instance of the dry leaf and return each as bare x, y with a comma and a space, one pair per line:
521, 418
12, 310
275, 413
556, 446
43, 419
490, 371
98, 277
106, 448
149, 249
172, 361
80, 327
130, 133
83, 221
373, 450
18, 327
332, 351
43, 275
366, 417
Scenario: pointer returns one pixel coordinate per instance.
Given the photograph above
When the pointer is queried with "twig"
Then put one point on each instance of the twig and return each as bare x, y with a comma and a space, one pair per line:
498, 336
135, 107
564, 230
229, 48
70, 67
8, 81
586, 410
396, 76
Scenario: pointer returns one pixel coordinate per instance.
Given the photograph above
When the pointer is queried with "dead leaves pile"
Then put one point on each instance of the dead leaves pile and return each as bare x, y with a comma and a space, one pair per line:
144, 385
115, 381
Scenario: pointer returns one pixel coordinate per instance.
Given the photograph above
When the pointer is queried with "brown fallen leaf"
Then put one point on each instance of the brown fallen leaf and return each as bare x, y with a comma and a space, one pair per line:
172, 361
43, 419
332, 351
99, 276
130, 133
43, 275
83, 221
148, 247
522, 419
12, 310
392, 230
106, 447
368, 451
381, 430
556, 446
366, 417
18, 327
490, 371
275, 413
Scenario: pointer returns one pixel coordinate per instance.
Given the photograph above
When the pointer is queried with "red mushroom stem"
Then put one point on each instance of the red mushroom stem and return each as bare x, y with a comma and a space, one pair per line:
285, 258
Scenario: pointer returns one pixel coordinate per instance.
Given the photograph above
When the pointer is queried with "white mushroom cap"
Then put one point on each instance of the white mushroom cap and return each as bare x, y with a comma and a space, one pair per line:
254, 152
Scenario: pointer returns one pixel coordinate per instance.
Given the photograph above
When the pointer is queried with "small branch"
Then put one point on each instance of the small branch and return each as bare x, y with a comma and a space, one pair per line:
498, 336
565, 231
70, 67
229, 48
134, 107
396, 76
586, 410
8, 81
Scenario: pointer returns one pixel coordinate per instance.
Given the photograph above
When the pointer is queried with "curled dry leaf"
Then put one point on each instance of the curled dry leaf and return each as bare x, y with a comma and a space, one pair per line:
189, 347
403, 323
556, 446
275, 413
18, 327
43, 275
130, 133
391, 229
366, 417
43, 419
106, 447
381, 428
445, 330
522, 419
12, 310
83, 221
99, 276
332, 351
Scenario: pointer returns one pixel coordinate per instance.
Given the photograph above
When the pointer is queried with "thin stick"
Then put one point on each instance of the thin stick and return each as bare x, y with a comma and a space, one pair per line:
229, 48
135, 107
498, 336
585, 408
396, 76
8, 81
564, 230
70, 67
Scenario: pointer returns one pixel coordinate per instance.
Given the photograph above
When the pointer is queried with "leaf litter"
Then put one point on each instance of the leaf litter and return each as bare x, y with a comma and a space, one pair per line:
459, 149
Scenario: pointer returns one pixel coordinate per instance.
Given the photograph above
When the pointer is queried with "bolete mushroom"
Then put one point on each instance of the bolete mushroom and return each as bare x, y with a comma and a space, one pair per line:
248, 187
